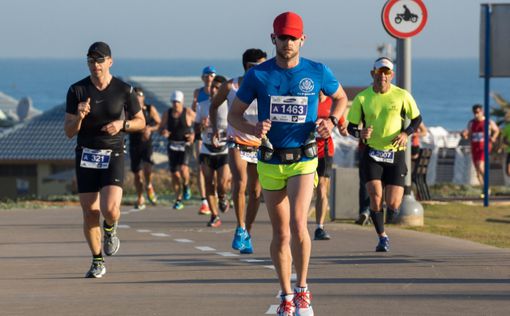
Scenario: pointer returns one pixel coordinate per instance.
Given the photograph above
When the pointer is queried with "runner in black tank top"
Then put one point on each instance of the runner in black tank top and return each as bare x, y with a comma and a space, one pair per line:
176, 126
140, 152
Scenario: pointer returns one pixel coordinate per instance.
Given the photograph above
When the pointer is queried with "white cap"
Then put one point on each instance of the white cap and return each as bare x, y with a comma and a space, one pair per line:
383, 62
178, 96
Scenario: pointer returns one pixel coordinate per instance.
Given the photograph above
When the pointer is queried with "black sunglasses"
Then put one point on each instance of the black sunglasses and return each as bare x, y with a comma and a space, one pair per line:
283, 38
93, 60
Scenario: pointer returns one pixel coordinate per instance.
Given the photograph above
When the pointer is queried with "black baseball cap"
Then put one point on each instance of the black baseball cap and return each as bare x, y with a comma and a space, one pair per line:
100, 48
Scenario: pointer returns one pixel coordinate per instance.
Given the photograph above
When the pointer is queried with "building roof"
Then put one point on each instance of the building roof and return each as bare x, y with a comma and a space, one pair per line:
41, 138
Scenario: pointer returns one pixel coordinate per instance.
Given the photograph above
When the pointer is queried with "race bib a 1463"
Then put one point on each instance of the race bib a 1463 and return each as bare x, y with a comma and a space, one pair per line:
288, 109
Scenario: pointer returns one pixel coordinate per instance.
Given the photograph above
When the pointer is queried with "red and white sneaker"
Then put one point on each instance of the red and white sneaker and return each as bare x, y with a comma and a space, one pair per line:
204, 209
214, 222
286, 308
303, 302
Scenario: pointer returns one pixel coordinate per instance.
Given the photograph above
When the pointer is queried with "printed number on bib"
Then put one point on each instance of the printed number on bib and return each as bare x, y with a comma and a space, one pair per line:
382, 156
288, 109
95, 158
177, 145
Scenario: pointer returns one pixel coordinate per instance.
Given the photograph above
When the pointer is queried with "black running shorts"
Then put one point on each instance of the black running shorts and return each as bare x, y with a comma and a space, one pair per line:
325, 166
140, 154
178, 158
389, 173
93, 180
214, 162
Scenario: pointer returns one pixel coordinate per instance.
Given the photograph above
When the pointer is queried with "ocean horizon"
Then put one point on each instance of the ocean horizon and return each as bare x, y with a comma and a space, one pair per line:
445, 89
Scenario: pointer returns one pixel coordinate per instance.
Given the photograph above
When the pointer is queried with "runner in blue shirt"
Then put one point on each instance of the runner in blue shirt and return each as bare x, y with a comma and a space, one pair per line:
287, 91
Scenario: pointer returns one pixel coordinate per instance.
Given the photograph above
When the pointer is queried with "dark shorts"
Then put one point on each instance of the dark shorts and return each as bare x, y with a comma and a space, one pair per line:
214, 162
508, 159
325, 166
140, 154
178, 158
389, 173
93, 180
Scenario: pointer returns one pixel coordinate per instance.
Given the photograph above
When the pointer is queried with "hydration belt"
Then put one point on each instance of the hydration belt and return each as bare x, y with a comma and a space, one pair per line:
214, 149
289, 155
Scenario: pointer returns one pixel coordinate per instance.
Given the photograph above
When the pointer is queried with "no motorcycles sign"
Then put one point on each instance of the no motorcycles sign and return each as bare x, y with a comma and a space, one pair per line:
404, 18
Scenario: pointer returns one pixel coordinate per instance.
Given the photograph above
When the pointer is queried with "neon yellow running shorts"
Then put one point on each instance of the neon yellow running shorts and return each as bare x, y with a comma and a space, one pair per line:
274, 177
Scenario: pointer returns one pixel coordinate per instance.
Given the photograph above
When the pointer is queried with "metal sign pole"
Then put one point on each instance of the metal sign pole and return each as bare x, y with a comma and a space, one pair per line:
487, 78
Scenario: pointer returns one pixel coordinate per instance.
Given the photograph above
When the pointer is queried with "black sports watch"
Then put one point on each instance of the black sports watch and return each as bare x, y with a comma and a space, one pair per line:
333, 119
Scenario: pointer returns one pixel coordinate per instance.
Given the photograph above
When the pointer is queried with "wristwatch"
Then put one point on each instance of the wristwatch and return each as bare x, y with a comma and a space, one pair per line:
334, 120
125, 125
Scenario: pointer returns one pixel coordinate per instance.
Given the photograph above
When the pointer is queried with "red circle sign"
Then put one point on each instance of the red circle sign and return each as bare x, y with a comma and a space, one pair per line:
404, 18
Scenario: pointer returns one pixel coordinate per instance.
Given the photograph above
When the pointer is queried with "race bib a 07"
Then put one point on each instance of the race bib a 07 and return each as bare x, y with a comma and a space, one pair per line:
382, 156
288, 109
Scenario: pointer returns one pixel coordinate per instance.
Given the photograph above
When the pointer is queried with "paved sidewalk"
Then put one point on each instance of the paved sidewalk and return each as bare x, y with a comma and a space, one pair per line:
170, 263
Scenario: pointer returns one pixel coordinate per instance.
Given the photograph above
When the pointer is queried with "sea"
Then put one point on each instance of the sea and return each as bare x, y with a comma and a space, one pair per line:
444, 89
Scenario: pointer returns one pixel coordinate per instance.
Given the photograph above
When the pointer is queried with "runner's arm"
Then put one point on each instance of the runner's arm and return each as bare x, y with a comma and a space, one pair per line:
324, 127
216, 102
162, 126
156, 118
495, 131
236, 119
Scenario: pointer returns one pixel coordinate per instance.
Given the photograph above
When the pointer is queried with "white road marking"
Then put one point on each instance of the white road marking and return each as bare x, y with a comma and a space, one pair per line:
160, 235
270, 267
183, 240
205, 248
143, 230
252, 260
123, 226
227, 254
272, 310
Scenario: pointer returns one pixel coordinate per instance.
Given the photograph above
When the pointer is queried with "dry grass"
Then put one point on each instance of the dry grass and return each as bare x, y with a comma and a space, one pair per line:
471, 221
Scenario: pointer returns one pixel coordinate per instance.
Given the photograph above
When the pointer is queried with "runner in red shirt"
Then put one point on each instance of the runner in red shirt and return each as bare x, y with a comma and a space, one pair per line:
475, 133
325, 153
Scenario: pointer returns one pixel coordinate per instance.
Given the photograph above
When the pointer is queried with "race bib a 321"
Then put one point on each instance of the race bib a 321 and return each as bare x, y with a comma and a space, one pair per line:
288, 109
95, 158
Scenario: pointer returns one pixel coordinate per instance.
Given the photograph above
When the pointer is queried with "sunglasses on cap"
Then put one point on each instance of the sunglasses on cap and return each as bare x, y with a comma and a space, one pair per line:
93, 60
385, 71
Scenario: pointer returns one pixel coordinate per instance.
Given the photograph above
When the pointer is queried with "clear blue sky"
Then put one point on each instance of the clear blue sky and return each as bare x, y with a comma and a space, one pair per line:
223, 28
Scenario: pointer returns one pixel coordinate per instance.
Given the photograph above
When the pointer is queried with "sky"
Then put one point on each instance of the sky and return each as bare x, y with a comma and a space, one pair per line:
223, 29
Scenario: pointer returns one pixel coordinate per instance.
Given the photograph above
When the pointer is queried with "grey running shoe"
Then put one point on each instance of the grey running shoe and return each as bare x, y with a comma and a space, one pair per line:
321, 234
97, 269
111, 242
363, 218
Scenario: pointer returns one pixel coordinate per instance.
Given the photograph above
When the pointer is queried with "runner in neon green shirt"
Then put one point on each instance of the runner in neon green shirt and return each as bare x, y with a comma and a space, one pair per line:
382, 109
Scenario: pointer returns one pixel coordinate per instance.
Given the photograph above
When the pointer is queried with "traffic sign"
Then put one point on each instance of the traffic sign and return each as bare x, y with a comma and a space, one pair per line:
404, 18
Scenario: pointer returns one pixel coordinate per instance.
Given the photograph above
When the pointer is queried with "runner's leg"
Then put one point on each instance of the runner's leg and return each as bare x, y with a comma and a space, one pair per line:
254, 191
278, 208
91, 214
300, 192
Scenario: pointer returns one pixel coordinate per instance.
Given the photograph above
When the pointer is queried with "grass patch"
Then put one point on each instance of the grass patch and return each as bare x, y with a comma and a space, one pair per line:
486, 225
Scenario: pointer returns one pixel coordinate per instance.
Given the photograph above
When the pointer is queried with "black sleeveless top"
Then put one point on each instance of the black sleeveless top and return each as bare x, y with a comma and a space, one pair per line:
136, 138
177, 126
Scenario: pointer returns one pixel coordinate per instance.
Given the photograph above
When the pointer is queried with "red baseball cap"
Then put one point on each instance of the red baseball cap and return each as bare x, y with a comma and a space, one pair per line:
288, 23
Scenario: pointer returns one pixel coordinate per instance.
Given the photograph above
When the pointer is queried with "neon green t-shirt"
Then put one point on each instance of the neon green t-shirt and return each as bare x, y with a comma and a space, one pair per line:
506, 134
382, 111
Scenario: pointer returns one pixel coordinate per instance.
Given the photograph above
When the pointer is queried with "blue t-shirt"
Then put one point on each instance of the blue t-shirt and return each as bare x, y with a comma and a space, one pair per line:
288, 97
